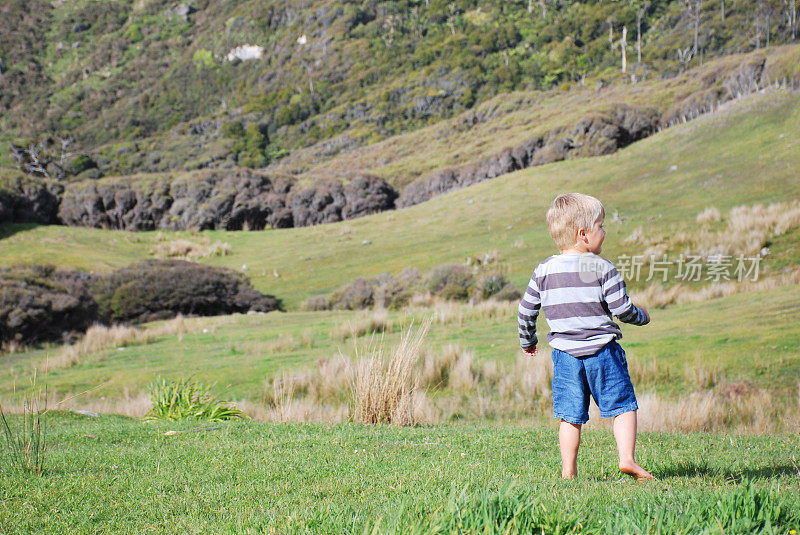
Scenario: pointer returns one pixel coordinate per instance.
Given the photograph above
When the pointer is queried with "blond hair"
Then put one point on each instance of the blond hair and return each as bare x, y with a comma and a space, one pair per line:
570, 212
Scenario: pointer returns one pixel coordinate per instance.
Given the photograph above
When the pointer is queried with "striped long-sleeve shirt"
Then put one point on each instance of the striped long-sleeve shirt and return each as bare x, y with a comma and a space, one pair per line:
578, 294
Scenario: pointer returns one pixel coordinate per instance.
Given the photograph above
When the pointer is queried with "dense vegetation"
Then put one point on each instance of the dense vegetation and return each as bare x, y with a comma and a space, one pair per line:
39, 303
113, 74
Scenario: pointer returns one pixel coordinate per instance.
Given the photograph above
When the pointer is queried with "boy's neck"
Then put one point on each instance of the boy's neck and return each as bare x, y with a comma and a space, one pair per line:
574, 250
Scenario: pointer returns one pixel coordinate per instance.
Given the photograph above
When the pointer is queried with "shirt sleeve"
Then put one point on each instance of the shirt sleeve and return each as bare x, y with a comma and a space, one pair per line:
619, 304
527, 313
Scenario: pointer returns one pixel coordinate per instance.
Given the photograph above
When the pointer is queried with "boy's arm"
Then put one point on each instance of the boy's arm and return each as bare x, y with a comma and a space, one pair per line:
526, 316
619, 304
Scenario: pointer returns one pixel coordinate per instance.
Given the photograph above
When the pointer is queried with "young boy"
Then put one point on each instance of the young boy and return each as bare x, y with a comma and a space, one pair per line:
579, 292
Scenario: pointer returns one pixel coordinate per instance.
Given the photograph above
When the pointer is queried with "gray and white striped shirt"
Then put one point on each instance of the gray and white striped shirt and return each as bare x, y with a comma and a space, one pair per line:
578, 294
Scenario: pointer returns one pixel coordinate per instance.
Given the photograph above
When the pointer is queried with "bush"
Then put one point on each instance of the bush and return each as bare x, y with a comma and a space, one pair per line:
40, 304
497, 287
451, 281
317, 303
384, 291
159, 289
508, 293
491, 285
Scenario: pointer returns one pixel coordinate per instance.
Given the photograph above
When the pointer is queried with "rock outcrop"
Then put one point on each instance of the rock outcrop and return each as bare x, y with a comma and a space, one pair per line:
594, 135
28, 200
219, 199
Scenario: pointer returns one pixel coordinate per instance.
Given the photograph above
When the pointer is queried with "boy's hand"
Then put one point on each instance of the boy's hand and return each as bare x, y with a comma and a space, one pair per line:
530, 352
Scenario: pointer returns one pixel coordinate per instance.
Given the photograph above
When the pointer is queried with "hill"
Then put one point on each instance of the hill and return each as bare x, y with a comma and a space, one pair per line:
156, 85
742, 155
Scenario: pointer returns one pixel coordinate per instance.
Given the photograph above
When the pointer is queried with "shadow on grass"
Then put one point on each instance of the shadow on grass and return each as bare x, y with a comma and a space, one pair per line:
702, 470
9, 229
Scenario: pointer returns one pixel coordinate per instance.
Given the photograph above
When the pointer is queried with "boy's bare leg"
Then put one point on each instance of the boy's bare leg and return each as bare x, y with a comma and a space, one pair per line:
569, 438
625, 434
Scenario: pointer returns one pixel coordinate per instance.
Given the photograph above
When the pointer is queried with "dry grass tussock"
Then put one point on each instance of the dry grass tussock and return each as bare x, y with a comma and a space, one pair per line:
413, 385
658, 296
731, 406
188, 250
455, 313
709, 215
369, 388
747, 229
366, 322
744, 230
384, 388
395, 389
100, 338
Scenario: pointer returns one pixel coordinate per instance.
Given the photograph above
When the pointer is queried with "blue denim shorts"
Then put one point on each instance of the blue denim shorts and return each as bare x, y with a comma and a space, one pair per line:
603, 375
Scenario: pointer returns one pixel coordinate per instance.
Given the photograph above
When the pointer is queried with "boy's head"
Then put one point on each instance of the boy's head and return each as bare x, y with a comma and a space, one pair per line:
570, 212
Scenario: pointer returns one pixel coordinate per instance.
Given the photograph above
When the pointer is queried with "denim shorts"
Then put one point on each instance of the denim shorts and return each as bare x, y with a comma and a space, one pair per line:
603, 375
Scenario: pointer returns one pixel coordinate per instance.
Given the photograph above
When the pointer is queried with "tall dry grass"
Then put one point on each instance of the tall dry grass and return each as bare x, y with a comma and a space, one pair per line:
365, 322
100, 338
747, 229
737, 407
658, 296
709, 215
384, 388
455, 313
187, 249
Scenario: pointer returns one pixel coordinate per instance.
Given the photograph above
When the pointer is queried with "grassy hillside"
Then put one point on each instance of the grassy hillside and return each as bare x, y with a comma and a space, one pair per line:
115, 74
508, 120
110, 474
745, 154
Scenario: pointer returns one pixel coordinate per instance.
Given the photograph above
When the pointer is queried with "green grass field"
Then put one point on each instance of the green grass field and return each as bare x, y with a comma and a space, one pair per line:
114, 474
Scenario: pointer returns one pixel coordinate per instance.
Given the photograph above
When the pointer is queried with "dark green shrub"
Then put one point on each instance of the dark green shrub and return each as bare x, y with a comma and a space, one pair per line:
357, 295
395, 292
508, 293
384, 291
233, 130
81, 163
496, 286
158, 289
39, 304
451, 281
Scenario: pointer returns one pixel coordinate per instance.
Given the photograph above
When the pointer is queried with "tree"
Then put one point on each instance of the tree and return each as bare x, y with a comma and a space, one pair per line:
684, 57
46, 157
640, 14
451, 19
692, 10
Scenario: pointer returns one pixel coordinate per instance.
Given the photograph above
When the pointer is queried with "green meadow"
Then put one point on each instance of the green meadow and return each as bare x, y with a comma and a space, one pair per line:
113, 474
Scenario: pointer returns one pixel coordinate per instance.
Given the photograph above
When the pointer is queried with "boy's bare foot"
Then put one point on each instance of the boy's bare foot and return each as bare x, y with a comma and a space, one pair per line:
633, 469
568, 474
